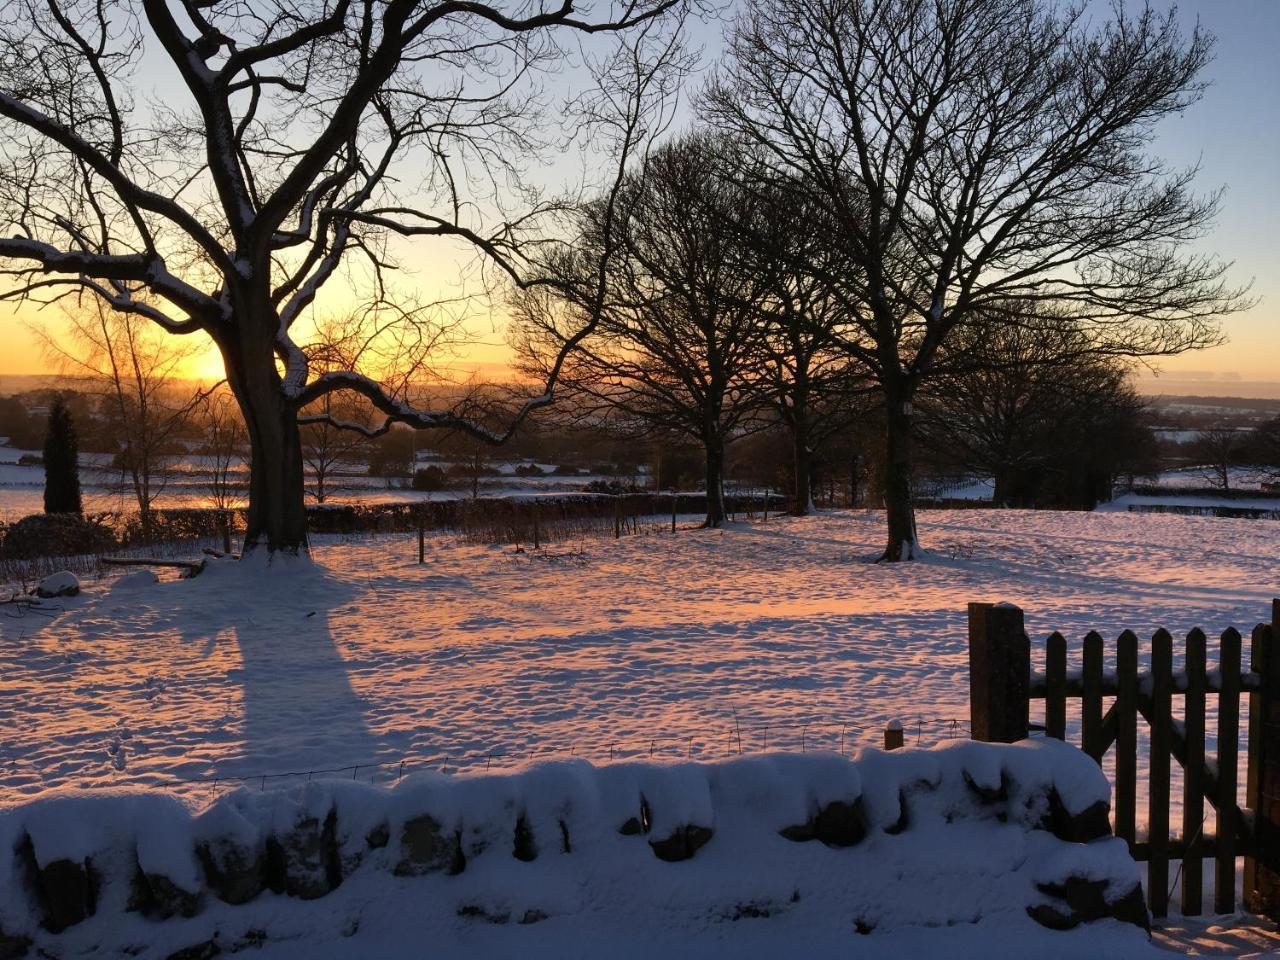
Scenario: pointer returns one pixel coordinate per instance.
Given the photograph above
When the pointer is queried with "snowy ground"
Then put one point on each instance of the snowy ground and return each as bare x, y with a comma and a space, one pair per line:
1241, 478
777, 636
759, 636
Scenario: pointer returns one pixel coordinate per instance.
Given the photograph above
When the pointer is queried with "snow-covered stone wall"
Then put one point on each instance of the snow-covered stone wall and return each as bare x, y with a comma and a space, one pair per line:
964, 833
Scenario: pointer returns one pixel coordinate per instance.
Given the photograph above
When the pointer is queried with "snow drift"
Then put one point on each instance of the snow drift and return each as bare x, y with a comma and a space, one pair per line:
568, 859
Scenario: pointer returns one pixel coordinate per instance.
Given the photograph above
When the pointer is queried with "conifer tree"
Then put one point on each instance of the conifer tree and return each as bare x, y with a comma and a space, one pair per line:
61, 462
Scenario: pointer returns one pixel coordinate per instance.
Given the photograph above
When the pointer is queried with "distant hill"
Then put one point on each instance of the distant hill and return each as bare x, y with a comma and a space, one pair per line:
12, 383
1196, 403
1208, 388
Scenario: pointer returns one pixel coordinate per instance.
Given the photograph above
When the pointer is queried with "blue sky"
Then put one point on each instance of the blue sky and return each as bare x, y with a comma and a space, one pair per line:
1234, 134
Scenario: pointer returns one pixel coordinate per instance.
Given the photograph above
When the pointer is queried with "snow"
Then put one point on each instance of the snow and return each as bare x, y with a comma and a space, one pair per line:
956, 878
687, 646
187, 481
64, 583
138, 580
75, 825
1106, 860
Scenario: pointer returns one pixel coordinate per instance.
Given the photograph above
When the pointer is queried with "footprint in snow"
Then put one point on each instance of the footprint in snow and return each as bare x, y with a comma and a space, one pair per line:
117, 753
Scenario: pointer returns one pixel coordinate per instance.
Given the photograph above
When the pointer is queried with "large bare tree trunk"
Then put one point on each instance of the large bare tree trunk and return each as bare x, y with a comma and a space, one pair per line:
277, 519
803, 456
277, 509
715, 482
899, 510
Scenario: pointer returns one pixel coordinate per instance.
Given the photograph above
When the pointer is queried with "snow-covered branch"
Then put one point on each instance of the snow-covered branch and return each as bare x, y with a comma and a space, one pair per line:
140, 268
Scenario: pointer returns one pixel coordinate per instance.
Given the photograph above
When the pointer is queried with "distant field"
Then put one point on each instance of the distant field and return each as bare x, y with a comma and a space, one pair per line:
22, 487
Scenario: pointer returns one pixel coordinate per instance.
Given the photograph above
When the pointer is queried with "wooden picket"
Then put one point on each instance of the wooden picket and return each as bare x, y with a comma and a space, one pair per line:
1003, 685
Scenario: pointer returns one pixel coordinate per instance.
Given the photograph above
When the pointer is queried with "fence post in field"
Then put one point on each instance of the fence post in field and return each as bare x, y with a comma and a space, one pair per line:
674, 500
422, 543
893, 735
999, 673
1262, 870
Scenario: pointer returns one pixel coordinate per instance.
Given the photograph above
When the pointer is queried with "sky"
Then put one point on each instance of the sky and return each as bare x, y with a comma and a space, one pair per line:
1233, 134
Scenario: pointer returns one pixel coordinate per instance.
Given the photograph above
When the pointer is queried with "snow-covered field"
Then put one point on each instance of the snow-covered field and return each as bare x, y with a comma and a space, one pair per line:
1241, 478
186, 484
775, 635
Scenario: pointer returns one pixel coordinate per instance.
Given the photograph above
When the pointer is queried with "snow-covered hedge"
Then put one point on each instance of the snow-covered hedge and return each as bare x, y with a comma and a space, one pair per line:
965, 833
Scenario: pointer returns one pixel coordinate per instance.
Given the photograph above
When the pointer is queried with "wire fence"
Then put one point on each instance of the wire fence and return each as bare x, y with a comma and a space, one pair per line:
733, 739
87, 545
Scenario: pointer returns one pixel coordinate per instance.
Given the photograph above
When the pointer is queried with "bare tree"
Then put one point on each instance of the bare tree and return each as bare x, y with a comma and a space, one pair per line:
1264, 451
226, 450
974, 154
328, 442
807, 380
1220, 450
305, 135
136, 375
1030, 406
677, 347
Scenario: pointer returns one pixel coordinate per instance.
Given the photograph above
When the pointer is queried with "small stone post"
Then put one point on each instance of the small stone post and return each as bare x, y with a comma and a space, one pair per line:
999, 673
893, 735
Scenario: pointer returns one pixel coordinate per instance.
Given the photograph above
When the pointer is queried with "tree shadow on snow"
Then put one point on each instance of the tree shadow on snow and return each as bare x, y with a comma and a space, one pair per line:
299, 711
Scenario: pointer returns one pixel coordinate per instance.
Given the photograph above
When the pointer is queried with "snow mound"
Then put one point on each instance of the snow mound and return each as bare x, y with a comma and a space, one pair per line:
637, 857
61, 584
138, 580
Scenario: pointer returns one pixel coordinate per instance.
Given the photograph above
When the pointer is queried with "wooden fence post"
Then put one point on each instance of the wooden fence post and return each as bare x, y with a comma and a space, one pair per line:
1262, 870
999, 673
1158, 774
422, 543
1224, 888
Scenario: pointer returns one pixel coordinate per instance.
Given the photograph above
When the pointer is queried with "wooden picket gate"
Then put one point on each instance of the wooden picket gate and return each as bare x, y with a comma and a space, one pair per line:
1002, 684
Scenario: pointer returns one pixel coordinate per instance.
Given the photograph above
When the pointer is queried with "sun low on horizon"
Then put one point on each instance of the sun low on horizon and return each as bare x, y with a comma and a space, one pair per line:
1248, 363
479, 348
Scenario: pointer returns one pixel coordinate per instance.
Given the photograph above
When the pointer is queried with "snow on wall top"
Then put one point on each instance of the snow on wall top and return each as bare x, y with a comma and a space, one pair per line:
991, 812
